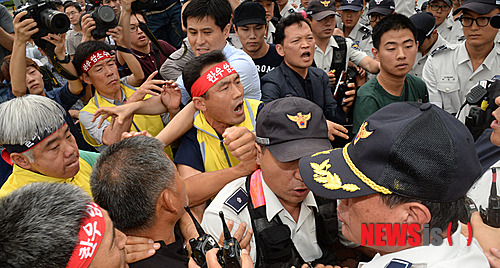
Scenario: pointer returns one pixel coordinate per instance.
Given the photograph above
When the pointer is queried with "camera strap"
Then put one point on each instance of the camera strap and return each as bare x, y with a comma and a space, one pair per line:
154, 41
48, 48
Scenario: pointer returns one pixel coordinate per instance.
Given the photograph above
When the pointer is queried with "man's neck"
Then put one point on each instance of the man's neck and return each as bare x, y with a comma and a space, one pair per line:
301, 71
292, 208
116, 95
478, 54
144, 49
322, 43
283, 6
347, 31
259, 53
161, 230
77, 28
394, 85
216, 125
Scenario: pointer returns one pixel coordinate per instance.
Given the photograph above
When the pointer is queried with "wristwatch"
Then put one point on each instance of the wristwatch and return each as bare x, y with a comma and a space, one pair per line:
66, 59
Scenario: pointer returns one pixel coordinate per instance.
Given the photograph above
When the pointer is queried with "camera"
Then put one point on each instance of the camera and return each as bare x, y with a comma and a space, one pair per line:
45, 14
104, 17
482, 100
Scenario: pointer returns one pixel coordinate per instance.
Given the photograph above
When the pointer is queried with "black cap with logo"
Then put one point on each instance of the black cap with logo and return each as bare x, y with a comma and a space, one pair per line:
354, 5
425, 24
412, 149
320, 9
249, 12
384, 7
479, 6
292, 128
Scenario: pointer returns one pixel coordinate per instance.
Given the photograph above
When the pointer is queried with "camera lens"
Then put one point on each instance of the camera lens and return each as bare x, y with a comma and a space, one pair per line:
55, 21
105, 14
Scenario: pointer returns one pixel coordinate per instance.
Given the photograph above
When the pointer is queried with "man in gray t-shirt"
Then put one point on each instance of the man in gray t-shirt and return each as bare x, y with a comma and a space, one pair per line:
6, 32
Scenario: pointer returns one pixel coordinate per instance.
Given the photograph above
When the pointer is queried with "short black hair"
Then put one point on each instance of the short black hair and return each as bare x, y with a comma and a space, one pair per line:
192, 70
140, 12
392, 22
441, 213
85, 49
295, 18
72, 4
219, 10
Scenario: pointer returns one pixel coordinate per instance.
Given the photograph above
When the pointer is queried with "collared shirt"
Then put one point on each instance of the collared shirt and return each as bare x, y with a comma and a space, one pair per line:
270, 31
323, 60
445, 29
449, 75
420, 60
405, 7
303, 231
458, 255
287, 10
73, 39
361, 36
244, 66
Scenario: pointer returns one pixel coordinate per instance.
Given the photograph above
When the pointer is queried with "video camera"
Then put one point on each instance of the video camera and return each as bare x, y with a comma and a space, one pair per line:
228, 256
482, 100
104, 17
45, 14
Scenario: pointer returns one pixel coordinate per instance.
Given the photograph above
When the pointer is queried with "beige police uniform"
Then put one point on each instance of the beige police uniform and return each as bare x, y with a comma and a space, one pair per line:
420, 59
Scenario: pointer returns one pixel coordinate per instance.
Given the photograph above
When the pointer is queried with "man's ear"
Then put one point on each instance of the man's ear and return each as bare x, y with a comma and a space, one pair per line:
258, 160
167, 202
85, 77
227, 30
236, 30
375, 54
199, 103
417, 213
20, 160
280, 50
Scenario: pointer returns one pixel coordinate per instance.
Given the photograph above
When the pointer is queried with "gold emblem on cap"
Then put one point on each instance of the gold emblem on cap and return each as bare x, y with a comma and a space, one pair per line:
300, 119
329, 181
362, 133
325, 3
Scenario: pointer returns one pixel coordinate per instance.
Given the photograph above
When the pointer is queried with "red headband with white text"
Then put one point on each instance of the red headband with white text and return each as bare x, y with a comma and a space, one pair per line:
210, 78
89, 237
94, 58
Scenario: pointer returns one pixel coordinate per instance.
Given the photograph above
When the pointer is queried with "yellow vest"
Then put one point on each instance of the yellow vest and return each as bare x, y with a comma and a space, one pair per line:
213, 151
21, 177
151, 123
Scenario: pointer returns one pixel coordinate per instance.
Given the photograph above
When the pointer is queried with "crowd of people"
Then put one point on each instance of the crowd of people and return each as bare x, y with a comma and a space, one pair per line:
304, 122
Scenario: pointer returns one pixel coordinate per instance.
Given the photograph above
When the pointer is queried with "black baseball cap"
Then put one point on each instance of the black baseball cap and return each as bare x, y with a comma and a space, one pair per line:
411, 149
425, 24
249, 12
354, 5
384, 7
479, 6
448, 2
292, 128
320, 9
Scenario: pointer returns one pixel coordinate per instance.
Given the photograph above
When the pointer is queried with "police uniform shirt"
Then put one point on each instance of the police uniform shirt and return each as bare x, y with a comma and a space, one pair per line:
270, 31
269, 61
361, 36
457, 33
458, 255
287, 10
323, 60
445, 29
420, 60
449, 75
303, 232
405, 7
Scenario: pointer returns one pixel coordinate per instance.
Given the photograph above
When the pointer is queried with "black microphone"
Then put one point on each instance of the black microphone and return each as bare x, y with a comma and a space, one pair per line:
495, 21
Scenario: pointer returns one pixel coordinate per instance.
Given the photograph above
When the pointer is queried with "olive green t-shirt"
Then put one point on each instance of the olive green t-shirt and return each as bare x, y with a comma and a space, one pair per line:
372, 96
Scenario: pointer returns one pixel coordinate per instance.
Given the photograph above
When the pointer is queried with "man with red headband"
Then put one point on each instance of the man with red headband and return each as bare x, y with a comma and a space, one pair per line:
205, 156
38, 142
97, 67
57, 225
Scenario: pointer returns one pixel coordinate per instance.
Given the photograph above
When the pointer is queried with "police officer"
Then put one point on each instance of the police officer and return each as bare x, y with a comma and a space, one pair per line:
428, 39
440, 9
290, 227
350, 12
453, 70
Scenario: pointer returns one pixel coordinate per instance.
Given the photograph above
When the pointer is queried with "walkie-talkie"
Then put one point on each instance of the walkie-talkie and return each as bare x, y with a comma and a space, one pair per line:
201, 245
230, 251
491, 215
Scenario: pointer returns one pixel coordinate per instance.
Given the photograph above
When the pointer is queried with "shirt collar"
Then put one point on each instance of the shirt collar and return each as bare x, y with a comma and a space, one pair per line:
116, 102
274, 206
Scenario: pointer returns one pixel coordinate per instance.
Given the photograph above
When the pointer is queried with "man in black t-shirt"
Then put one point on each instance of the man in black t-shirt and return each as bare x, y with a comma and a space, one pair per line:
251, 27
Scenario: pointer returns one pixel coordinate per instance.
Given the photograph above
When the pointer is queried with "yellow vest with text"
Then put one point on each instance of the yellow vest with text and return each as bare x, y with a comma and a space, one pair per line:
151, 123
214, 152
21, 177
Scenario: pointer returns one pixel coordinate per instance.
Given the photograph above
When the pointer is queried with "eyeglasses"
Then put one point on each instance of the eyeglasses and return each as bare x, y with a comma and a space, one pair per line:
435, 7
480, 21
374, 17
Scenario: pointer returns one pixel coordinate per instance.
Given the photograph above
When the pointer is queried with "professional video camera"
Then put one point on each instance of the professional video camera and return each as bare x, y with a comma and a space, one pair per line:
45, 14
104, 17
